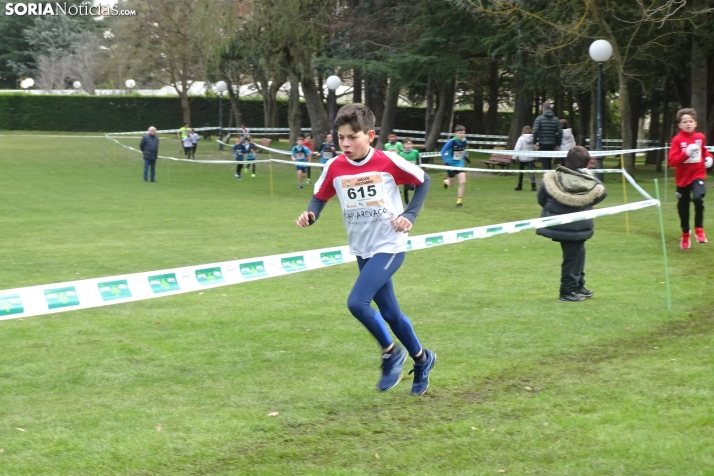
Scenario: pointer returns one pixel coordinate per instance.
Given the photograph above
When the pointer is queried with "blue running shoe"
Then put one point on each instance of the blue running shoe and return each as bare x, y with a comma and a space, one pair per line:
421, 373
392, 365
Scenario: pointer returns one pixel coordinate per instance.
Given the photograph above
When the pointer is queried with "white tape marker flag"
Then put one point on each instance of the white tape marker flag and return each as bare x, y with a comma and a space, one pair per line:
88, 293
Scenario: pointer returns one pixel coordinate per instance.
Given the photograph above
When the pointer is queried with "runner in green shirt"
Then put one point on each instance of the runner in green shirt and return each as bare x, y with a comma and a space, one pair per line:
182, 133
411, 155
393, 145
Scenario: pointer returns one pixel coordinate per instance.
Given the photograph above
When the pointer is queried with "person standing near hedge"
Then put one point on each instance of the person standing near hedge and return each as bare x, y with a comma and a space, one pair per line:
150, 148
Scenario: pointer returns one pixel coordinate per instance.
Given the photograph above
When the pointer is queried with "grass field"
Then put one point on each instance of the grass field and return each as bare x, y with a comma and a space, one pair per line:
616, 385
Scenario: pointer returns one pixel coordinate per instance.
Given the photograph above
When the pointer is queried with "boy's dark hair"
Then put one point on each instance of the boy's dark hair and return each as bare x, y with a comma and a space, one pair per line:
577, 158
547, 105
407, 140
564, 123
459, 128
358, 116
687, 111
299, 138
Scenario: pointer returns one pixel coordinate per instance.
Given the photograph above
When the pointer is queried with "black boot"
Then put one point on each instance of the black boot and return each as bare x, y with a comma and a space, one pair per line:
533, 187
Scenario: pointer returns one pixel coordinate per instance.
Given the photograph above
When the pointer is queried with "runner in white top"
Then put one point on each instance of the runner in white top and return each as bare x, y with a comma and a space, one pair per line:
366, 182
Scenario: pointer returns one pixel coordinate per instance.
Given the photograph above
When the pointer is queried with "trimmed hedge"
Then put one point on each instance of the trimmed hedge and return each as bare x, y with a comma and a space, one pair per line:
81, 113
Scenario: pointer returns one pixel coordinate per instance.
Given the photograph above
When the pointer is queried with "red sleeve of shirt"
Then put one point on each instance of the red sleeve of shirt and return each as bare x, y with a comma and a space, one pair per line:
325, 186
676, 154
403, 176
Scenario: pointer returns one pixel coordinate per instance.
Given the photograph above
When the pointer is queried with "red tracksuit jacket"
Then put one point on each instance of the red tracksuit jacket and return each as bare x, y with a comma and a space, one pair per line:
687, 169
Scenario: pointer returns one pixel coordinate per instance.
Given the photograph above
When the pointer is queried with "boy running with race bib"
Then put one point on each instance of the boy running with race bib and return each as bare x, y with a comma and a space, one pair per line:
366, 182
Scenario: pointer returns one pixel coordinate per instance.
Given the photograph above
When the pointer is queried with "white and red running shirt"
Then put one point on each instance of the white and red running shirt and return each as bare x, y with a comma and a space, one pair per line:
369, 196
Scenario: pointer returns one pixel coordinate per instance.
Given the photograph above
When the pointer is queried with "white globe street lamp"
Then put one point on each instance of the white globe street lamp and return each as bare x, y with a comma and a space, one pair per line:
76, 85
600, 51
221, 87
27, 83
130, 83
333, 82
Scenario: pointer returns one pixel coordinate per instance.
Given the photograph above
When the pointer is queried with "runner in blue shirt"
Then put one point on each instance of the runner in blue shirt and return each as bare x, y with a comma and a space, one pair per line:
300, 153
250, 150
239, 152
327, 149
453, 154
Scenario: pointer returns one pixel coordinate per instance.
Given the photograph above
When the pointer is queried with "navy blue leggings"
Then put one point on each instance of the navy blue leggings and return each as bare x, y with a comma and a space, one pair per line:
375, 284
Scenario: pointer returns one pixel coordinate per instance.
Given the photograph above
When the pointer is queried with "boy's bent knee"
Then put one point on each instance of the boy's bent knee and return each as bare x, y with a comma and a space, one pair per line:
357, 306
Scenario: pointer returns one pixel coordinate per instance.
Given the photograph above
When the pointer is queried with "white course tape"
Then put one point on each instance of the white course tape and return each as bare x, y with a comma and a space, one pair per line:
193, 161
88, 293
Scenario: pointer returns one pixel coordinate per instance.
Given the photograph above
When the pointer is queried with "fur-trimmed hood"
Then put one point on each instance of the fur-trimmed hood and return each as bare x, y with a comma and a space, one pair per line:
572, 188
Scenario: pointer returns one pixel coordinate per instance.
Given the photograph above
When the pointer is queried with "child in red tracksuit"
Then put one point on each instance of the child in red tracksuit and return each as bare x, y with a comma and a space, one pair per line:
691, 159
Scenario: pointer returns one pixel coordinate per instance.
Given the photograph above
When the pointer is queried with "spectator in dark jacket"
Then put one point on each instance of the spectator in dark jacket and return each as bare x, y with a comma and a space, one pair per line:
571, 189
547, 133
150, 147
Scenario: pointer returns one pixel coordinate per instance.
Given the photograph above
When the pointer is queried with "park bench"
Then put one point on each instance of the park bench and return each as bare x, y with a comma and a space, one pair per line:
500, 160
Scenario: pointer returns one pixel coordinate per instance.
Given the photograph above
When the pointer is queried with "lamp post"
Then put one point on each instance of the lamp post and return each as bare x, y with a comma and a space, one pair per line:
27, 83
130, 83
333, 82
600, 51
76, 85
221, 87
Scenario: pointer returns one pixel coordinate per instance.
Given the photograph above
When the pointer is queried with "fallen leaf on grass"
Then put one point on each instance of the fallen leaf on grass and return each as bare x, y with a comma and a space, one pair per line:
501, 470
2, 450
158, 427
157, 323
20, 429
376, 455
273, 413
200, 294
473, 428
528, 388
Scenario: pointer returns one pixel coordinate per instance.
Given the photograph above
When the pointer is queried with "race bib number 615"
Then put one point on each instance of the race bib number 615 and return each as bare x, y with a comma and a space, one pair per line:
362, 192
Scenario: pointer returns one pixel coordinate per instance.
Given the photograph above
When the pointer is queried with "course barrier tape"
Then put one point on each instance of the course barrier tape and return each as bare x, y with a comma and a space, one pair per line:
193, 161
423, 155
96, 292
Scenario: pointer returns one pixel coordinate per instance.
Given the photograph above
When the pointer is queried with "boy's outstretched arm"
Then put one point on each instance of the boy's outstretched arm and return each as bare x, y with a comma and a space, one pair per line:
445, 151
314, 208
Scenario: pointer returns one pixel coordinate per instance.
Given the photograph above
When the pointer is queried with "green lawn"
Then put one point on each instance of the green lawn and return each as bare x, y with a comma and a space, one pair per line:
616, 385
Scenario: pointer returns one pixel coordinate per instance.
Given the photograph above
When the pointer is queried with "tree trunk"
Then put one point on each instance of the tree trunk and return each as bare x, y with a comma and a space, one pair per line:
357, 85
390, 113
449, 125
584, 107
319, 120
521, 111
477, 120
375, 93
294, 112
185, 106
655, 126
494, 83
626, 121
446, 97
698, 78
234, 100
268, 91
429, 118
636, 95
666, 125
